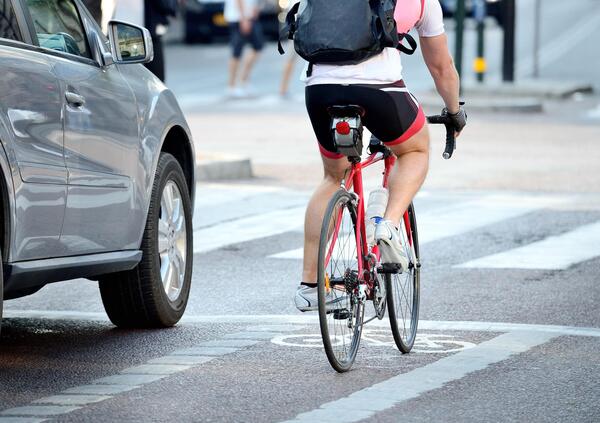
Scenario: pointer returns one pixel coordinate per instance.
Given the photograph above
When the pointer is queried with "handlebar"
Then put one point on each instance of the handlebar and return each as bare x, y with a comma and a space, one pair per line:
450, 137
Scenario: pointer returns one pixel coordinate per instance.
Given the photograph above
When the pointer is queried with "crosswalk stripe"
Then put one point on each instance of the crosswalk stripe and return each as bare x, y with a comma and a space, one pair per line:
248, 229
554, 253
463, 217
217, 203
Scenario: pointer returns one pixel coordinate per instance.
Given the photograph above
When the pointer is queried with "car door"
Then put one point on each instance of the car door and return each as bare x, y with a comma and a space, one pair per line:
31, 133
100, 131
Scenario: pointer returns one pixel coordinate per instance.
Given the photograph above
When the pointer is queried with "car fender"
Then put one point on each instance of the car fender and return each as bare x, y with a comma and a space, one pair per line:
158, 114
10, 175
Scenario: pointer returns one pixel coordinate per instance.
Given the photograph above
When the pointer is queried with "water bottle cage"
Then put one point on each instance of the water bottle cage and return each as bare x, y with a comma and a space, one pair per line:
347, 135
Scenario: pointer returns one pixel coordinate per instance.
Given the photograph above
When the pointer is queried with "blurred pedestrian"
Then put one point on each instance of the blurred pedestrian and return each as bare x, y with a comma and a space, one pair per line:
244, 27
152, 14
288, 69
156, 13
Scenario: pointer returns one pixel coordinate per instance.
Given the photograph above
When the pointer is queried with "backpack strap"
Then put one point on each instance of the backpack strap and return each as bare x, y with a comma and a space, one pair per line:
289, 28
412, 44
309, 70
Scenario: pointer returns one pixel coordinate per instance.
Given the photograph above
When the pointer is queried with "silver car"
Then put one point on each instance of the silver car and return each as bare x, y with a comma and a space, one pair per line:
96, 164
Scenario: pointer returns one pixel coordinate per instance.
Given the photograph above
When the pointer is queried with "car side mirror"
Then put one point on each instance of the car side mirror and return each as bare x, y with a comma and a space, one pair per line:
130, 43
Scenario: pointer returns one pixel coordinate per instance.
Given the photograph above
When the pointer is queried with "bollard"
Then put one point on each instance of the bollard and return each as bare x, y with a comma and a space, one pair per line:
508, 54
459, 15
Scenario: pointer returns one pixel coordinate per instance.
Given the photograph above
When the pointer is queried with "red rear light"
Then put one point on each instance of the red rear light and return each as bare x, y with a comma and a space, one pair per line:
342, 128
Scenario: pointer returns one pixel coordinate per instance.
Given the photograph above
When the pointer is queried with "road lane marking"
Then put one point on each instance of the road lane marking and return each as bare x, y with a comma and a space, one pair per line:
189, 360
387, 394
554, 253
71, 399
425, 343
248, 229
100, 389
308, 319
124, 381
464, 217
206, 351
237, 343
260, 335
128, 379
156, 369
220, 203
39, 410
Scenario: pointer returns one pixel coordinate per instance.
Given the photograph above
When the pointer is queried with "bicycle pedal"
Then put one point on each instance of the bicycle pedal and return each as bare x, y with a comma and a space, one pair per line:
341, 314
390, 268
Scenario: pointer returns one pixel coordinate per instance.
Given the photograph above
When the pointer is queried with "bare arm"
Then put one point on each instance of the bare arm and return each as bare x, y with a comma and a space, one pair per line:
441, 67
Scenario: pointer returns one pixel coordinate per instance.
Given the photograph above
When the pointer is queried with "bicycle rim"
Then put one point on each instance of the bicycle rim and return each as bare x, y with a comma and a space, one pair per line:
341, 322
403, 292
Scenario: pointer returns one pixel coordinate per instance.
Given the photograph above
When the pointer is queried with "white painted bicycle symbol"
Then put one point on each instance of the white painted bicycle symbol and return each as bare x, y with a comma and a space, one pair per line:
426, 343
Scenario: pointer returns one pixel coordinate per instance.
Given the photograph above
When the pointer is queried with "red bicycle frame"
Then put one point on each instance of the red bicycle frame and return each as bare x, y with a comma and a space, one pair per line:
354, 180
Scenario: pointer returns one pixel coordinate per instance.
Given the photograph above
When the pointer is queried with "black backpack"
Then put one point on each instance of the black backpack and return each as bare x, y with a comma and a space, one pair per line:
343, 32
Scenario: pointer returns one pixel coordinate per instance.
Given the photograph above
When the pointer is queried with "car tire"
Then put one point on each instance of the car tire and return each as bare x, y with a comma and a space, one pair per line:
155, 293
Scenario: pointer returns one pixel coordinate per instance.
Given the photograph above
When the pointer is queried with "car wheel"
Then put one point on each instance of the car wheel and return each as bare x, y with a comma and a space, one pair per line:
155, 293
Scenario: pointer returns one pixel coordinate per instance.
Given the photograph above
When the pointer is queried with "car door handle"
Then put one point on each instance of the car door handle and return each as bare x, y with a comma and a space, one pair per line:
74, 100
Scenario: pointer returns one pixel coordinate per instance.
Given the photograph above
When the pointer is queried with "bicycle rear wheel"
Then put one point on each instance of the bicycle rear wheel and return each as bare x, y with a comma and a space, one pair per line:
403, 290
340, 320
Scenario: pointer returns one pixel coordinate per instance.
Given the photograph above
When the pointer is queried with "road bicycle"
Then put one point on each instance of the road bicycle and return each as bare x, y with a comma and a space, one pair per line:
350, 272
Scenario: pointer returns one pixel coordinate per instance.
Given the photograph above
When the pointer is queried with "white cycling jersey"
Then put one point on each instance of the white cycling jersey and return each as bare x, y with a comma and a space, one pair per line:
424, 15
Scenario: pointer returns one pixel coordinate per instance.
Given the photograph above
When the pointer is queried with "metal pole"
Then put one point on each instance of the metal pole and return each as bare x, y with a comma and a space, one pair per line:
480, 64
536, 38
508, 55
459, 15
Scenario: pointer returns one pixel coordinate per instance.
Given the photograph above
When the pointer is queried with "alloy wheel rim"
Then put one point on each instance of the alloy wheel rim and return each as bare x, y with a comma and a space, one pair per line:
172, 241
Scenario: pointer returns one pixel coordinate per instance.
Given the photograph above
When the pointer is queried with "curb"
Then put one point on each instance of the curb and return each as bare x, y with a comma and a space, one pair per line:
217, 166
530, 88
475, 104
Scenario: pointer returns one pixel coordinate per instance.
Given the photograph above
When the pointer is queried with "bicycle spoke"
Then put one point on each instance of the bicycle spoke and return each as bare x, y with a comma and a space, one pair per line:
340, 315
403, 302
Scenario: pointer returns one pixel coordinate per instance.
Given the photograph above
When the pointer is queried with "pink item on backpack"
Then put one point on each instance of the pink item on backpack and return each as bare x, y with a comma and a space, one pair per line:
407, 14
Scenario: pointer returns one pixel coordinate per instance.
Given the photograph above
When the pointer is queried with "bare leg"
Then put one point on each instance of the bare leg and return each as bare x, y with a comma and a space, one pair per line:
287, 75
408, 175
334, 173
250, 61
234, 65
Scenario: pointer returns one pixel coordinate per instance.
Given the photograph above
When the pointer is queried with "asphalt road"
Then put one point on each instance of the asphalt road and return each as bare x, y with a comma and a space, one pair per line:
510, 312
265, 360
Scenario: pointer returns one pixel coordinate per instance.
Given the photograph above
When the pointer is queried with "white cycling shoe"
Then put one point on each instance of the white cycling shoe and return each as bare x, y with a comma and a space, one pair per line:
307, 298
388, 239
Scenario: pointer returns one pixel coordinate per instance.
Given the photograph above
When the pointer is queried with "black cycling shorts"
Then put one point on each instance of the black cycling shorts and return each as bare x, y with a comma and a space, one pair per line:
238, 40
392, 113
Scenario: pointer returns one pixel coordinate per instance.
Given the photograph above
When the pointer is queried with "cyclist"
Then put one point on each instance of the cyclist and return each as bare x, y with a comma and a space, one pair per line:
393, 115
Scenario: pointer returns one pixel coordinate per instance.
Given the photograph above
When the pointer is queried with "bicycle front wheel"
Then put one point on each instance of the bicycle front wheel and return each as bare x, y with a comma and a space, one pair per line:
341, 310
403, 289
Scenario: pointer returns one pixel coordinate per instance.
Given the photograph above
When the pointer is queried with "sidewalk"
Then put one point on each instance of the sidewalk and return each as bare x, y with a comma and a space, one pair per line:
554, 151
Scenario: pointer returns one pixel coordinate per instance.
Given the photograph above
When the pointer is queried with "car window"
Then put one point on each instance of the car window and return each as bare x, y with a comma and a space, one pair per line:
8, 22
58, 26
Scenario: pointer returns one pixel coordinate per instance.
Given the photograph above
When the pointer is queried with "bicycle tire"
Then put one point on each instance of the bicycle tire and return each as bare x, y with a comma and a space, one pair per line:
396, 299
349, 312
